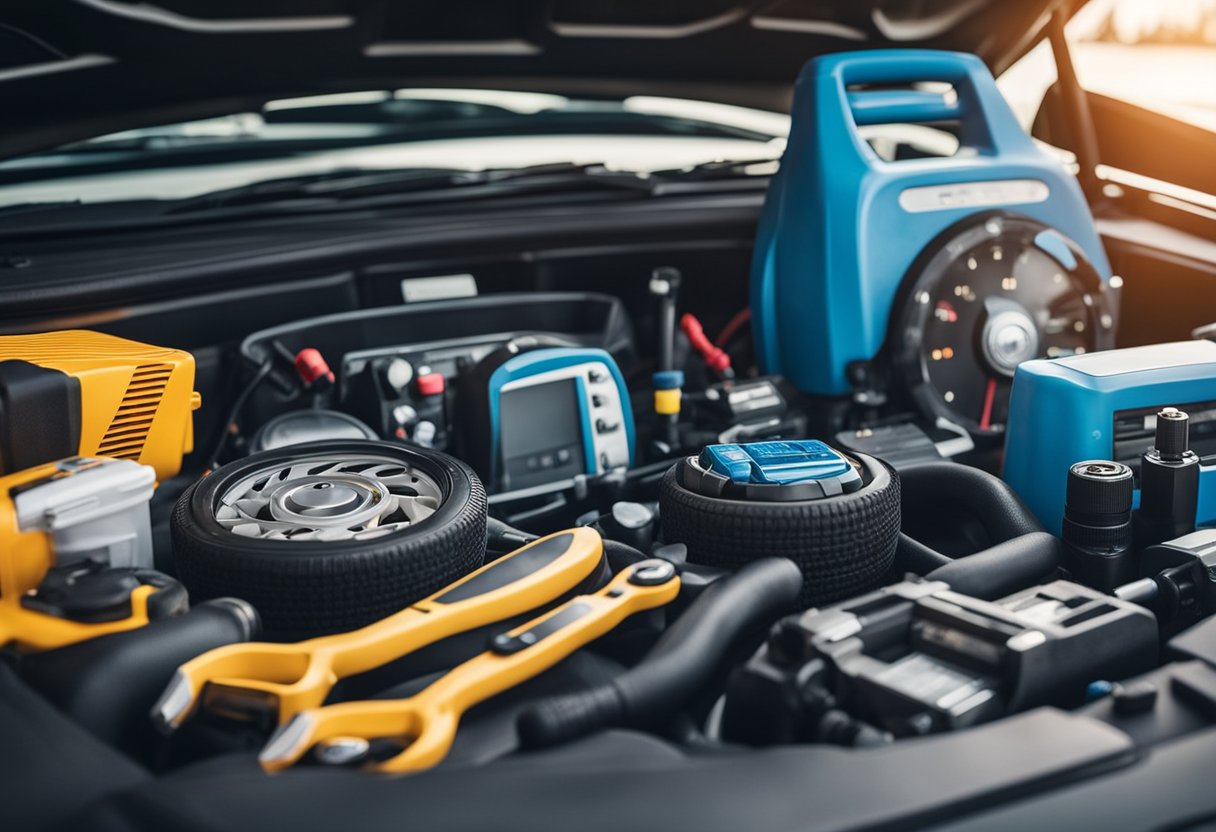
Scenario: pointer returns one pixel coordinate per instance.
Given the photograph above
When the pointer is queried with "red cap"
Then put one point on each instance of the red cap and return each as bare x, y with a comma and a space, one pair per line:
312, 366
431, 384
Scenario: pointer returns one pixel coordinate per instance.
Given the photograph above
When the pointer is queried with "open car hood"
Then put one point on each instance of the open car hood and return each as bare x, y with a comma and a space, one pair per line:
71, 69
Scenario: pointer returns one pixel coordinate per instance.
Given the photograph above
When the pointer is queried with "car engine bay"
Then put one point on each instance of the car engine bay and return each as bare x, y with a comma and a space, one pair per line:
612, 504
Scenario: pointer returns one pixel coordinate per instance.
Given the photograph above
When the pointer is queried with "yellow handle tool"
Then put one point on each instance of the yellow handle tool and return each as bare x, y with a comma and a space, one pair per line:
426, 723
253, 678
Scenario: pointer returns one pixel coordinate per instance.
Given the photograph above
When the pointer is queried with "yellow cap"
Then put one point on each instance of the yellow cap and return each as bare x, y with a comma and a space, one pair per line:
667, 402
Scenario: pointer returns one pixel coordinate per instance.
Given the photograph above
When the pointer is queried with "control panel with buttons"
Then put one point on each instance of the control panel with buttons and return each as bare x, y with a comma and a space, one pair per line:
561, 415
524, 413
401, 390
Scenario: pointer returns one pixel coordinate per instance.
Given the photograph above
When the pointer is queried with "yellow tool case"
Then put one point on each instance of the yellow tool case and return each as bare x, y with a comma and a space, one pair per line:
78, 392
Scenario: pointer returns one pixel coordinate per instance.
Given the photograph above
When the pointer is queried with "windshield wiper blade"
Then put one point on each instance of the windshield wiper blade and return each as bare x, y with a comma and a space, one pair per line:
367, 190
724, 169
35, 207
345, 186
320, 185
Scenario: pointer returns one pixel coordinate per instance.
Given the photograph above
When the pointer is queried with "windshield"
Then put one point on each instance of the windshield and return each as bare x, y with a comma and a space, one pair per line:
448, 129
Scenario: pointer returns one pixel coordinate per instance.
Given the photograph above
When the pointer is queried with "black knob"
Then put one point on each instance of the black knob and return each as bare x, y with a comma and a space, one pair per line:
1133, 698
1173, 428
1099, 492
85, 593
630, 523
788, 644
1097, 527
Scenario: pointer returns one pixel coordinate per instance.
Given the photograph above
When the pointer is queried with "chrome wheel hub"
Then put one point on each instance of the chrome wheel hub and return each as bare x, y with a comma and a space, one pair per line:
330, 498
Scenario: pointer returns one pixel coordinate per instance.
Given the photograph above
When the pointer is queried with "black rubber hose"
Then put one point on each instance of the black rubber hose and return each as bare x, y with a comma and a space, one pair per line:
235, 413
107, 684
622, 555
913, 556
505, 538
678, 665
1004, 568
986, 497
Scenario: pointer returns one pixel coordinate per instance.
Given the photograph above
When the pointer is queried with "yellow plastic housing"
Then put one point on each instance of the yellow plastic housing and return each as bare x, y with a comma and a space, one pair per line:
136, 401
25, 558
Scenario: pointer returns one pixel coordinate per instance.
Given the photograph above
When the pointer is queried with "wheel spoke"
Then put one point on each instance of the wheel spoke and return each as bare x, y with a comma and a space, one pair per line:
249, 507
418, 508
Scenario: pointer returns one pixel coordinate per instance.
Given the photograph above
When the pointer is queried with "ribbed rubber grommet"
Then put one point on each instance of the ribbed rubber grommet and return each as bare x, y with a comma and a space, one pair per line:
304, 588
842, 544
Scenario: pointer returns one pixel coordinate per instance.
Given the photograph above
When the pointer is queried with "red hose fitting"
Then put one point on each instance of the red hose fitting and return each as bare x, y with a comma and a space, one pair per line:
714, 358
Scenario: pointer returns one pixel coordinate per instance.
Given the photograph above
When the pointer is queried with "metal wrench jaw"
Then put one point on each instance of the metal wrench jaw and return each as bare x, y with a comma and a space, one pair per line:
433, 738
288, 744
245, 681
426, 734
175, 704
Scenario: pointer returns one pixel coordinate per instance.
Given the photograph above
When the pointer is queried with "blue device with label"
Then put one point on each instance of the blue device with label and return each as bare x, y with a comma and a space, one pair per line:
841, 227
782, 471
554, 413
775, 462
1103, 406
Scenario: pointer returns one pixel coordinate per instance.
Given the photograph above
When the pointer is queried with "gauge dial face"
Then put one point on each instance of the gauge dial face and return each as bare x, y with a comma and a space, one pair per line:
997, 293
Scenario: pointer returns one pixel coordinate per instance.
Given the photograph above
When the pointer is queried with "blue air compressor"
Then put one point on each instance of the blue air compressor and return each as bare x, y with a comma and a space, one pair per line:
844, 229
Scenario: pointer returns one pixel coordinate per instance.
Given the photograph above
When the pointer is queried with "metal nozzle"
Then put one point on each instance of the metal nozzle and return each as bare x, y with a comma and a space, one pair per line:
1173, 429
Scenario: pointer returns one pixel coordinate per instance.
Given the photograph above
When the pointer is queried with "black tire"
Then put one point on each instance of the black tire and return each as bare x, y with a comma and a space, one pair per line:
305, 588
842, 544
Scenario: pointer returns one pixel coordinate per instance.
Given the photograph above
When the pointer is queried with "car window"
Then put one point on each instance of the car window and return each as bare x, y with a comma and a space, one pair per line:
1158, 57
1156, 54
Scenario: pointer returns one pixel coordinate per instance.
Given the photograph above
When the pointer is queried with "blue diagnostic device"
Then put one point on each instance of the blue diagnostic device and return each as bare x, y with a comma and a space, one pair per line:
779, 471
842, 227
1104, 405
541, 414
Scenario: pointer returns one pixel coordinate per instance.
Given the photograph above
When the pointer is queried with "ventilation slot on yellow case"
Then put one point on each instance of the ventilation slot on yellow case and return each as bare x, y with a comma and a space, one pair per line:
127, 433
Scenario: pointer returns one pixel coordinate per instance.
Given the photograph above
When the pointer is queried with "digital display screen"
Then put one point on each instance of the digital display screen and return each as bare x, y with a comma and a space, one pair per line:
541, 437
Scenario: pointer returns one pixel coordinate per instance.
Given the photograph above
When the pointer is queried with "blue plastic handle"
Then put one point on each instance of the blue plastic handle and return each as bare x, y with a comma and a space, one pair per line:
903, 66
895, 106
985, 120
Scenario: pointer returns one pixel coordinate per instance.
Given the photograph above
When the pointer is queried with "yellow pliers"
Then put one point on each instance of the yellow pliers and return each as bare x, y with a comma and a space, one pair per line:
425, 724
284, 679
